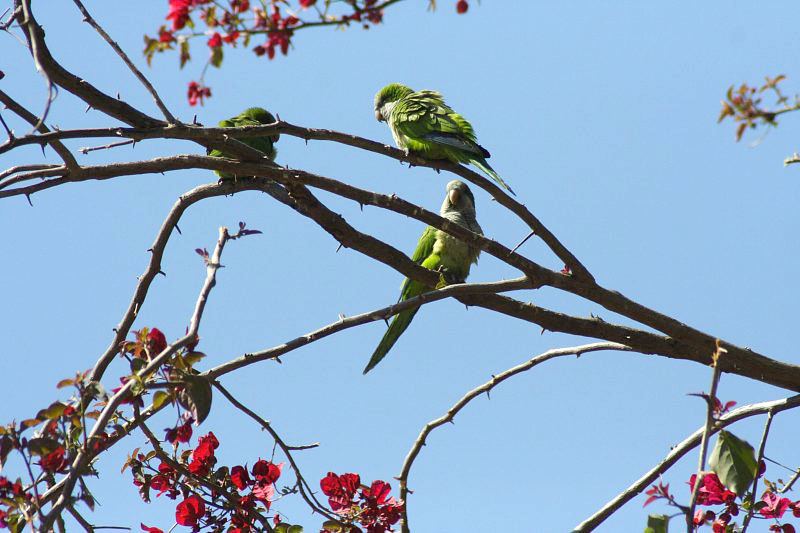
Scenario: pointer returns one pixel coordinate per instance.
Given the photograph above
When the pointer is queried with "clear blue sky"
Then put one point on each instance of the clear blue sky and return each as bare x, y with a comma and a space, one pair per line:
602, 118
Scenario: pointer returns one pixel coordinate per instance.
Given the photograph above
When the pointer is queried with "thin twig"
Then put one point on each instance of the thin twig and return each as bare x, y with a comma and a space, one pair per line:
678, 451
365, 318
762, 445
86, 149
62, 151
701, 460
80, 519
136, 72
84, 456
302, 484
474, 393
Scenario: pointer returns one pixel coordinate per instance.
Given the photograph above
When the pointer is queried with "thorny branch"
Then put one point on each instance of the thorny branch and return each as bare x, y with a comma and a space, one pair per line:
678, 451
451, 413
85, 456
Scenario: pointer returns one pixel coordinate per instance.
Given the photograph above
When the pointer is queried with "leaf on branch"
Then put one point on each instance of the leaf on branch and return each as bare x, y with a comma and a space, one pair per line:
734, 462
55, 410
196, 397
159, 398
657, 523
42, 445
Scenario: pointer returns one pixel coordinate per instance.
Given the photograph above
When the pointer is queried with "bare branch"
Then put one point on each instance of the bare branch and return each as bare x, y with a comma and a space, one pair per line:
136, 72
302, 484
83, 457
62, 151
365, 318
678, 451
474, 393
701, 460
760, 457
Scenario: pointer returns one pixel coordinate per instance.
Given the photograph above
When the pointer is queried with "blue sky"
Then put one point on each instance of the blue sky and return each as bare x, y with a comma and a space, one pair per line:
601, 116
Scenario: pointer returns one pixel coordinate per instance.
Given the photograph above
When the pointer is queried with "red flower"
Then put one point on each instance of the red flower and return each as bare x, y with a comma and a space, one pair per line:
190, 510
182, 433
54, 461
461, 7
712, 491
197, 92
240, 6
267, 471
264, 492
231, 37
179, 13
165, 36
150, 529
239, 477
215, 41
340, 489
156, 342
307, 3
378, 493
775, 507
203, 456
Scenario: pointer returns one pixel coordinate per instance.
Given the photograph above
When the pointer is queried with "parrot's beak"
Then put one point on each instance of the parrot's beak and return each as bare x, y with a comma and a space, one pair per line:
455, 196
378, 115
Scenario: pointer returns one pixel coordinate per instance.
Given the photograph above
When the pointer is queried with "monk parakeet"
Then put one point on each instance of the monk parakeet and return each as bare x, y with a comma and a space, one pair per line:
254, 116
436, 250
423, 124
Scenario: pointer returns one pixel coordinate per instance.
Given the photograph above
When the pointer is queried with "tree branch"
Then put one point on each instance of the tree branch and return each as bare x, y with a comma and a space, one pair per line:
677, 452
136, 72
474, 393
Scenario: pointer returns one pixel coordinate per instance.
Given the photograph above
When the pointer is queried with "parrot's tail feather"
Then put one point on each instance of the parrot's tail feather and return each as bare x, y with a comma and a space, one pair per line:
489, 171
399, 324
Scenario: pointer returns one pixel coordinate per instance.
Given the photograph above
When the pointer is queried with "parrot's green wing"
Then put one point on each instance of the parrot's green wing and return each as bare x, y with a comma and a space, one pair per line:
423, 255
432, 126
254, 116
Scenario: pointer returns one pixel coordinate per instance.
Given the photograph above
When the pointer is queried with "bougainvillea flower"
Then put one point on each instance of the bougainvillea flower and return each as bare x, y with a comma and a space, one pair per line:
190, 511
712, 491
776, 505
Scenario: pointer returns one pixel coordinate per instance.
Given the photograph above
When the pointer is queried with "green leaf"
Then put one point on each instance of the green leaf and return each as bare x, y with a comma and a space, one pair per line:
6, 445
29, 423
216, 56
196, 397
42, 445
159, 398
657, 523
734, 462
184, 56
55, 410
283, 527
65, 383
191, 358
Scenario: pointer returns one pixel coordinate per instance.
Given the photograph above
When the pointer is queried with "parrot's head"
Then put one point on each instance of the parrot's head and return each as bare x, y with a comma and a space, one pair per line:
459, 199
387, 98
262, 116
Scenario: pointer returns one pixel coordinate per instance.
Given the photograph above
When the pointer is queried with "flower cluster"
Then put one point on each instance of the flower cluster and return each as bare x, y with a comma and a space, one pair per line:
712, 492
233, 22
372, 507
210, 497
745, 105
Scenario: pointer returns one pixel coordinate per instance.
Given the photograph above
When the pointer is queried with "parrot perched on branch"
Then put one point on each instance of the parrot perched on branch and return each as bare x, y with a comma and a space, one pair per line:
254, 116
438, 251
423, 124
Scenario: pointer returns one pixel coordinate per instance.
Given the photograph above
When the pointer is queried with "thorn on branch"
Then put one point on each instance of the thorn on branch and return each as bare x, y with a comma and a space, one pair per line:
178, 229
162, 273
28, 197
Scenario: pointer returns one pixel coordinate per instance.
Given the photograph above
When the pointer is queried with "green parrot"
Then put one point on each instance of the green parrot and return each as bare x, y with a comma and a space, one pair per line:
423, 124
439, 251
253, 116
